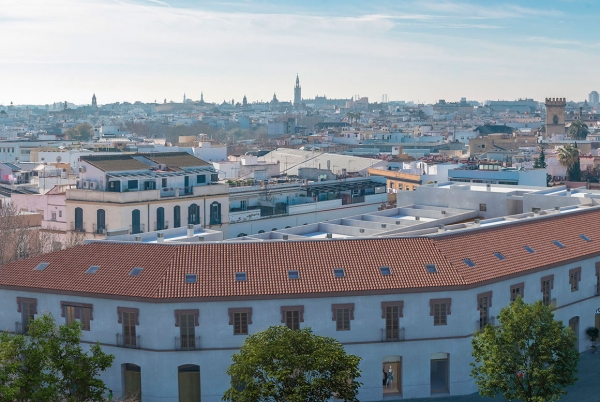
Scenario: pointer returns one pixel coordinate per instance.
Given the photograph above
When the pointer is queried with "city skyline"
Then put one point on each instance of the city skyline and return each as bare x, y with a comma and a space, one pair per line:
415, 51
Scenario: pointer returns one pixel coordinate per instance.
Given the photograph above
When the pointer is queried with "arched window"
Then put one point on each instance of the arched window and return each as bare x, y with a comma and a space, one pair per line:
176, 216
79, 220
215, 213
555, 119
100, 221
132, 381
193, 214
160, 218
135, 222
189, 383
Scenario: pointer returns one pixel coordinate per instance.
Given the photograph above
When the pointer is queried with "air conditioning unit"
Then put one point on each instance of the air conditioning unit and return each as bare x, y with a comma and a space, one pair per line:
93, 185
79, 183
82, 169
86, 184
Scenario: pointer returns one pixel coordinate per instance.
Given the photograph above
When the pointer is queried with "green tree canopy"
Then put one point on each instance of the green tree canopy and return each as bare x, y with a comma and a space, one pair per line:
540, 163
568, 156
281, 364
578, 130
81, 132
48, 364
529, 356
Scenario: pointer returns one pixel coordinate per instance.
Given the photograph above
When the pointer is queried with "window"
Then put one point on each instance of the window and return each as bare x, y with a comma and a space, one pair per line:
240, 276
215, 213
439, 309
339, 272
60, 214
529, 249
129, 317
77, 312
391, 312
194, 214
191, 278
176, 216
483, 207
584, 237
214, 177
293, 274
79, 226
547, 285
574, 278
100, 221
132, 184
500, 256
92, 269
136, 271
431, 268
342, 315
187, 321
53, 216
28, 309
164, 182
385, 270
517, 290
200, 179
484, 302
440, 373
558, 244
41, 266
469, 262
292, 316
240, 318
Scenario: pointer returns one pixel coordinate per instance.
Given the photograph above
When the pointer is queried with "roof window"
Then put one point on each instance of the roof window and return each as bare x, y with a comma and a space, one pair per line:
500, 256
529, 249
41, 266
558, 244
92, 269
584, 237
431, 268
293, 274
240, 276
191, 278
469, 262
136, 271
385, 270
339, 272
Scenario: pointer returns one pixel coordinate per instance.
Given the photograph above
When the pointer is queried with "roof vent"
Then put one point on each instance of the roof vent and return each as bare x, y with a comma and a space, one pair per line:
136, 271
200, 238
160, 237
240, 276
361, 230
191, 278
431, 268
477, 222
41, 266
285, 237
488, 187
385, 270
398, 222
443, 212
469, 262
536, 212
441, 228
339, 272
190, 230
329, 235
383, 225
568, 192
435, 183
138, 239
92, 269
417, 218
293, 274
556, 210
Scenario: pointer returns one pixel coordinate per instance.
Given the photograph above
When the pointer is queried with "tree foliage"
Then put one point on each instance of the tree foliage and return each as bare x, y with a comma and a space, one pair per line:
81, 132
528, 357
540, 163
49, 364
578, 130
568, 156
281, 364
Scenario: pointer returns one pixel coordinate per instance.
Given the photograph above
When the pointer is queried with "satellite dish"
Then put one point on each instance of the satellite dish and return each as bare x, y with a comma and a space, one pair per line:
58, 159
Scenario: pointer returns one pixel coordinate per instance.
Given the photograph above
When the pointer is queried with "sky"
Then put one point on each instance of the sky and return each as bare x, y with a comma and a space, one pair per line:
412, 50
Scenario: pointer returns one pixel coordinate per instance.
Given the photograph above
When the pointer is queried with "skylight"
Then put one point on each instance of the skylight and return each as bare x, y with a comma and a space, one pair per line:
191, 278
240, 276
293, 274
500, 256
529, 249
584, 237
92, 269
385, 270
136, 271
558, 244
41, 266
339, 272
469, 262
431, 268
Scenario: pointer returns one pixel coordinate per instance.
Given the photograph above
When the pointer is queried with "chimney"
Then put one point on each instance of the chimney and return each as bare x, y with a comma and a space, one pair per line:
417, 218
441, 228
329, 236
398, 222
488, 187
160, 237
190, 230
477, 223
568, 192
383, 225
176, 192
557, 210
138, 239
536, 212
435, 183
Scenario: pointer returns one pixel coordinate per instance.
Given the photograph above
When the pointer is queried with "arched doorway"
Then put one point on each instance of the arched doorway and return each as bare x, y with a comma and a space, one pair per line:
392, 375
132, 381
79, 219
176, 216
215, 213
160, 218
100, 221
574, 325
440, 373
135, 222
194, 214
189, 383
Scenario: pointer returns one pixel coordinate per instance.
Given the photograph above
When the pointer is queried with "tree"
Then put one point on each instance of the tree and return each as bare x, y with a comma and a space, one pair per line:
540, 163
568, 156
82, 132
529, 356
48, 364
578, 130
281, 364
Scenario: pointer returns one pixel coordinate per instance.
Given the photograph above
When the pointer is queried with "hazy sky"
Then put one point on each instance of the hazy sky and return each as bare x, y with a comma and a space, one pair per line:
421, 50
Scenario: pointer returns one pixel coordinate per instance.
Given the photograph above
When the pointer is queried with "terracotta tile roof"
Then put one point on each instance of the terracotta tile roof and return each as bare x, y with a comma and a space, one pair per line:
267, 264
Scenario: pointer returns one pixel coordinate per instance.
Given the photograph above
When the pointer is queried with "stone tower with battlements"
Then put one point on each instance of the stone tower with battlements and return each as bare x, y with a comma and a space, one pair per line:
555, 116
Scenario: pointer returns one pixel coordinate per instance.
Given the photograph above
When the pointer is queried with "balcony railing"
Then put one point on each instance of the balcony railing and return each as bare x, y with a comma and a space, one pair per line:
99, 230
78, 228
392, 334
165, 226
139, 229
128, 341
353, 200
481, 323
187, 343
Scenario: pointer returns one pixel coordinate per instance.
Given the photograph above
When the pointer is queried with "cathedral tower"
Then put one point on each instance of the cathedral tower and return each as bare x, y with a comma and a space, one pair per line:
555, 116
94, 104
297, 92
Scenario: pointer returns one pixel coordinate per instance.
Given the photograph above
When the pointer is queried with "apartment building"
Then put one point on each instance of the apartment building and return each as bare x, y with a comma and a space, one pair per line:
138, 193
173, 315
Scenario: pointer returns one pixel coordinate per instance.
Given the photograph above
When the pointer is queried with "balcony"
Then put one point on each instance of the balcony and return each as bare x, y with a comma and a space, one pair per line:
128, 341
141, 228
353, 200
80, 228
187, 343
165, 226
100, 230
481, 323
392, 334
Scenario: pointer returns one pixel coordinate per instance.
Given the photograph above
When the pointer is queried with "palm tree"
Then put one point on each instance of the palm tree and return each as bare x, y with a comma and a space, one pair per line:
578, 130
568, 156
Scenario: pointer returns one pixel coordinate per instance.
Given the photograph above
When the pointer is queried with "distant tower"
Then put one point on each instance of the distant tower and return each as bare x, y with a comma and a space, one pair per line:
297, 92
94, 103
65, 106
201, 97
594, 98
245, 101
184, 97
555, 116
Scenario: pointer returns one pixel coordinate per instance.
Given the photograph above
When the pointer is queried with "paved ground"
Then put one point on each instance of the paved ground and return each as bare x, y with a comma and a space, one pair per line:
587, 389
